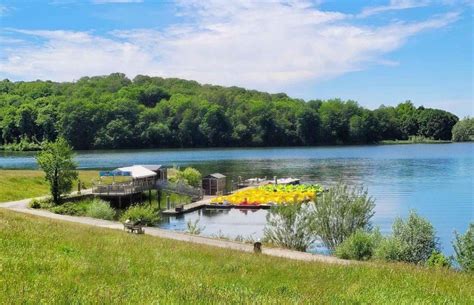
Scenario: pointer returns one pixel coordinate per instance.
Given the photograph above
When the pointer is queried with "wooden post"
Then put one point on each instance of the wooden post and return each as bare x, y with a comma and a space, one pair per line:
168, 204
276, 180
149, 196
79, 186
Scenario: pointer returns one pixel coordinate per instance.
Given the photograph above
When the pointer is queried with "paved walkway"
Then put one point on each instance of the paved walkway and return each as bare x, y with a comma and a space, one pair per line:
22, 207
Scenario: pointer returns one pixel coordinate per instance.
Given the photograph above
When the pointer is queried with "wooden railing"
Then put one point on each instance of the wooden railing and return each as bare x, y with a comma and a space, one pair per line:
123, 188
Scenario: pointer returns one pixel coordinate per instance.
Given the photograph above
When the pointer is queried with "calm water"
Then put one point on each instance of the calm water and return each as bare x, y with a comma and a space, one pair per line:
435, 180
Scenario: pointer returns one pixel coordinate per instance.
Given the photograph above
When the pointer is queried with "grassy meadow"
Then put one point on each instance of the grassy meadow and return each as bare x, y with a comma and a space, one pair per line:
21, 184
43, 260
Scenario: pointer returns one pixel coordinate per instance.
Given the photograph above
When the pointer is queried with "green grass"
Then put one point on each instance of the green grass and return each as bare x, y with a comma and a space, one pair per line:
48, 261
21, 184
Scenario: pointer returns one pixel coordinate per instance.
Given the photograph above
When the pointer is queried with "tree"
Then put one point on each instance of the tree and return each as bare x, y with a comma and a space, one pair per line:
117, 134
436, 124
464, 248
56, 160
340, 212
463, 130
407, 116
216, 127
307, 126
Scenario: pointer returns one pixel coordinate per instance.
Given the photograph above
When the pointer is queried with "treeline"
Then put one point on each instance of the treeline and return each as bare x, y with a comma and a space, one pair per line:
116, 112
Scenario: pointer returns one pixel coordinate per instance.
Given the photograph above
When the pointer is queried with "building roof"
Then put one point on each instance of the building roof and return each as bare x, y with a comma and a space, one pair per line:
152, 167
215, 175
137, 171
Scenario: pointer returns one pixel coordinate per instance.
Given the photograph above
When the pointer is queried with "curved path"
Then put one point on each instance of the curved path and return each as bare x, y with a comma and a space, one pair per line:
22, 207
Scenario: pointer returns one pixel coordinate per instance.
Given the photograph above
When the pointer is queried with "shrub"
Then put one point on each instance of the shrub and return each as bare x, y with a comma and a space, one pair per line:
290, 226
360, 245
192, 176
464, 249
388, 249
45, 203
416, 237
340, 212
71, 208
146, 214
438, 260
35, 204
100, 209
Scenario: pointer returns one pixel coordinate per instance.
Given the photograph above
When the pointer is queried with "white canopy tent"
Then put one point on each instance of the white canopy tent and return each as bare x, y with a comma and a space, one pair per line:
137, 171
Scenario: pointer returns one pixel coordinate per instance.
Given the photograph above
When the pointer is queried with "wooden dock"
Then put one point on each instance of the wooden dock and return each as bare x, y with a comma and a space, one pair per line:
189, 207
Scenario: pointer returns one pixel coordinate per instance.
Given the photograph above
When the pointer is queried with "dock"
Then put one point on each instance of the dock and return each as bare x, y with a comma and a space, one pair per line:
205, 202
193, 206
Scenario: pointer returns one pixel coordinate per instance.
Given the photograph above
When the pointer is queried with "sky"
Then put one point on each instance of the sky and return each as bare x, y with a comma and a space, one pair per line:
373, 52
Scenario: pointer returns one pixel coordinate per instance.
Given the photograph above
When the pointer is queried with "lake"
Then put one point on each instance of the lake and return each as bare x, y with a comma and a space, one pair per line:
436, 180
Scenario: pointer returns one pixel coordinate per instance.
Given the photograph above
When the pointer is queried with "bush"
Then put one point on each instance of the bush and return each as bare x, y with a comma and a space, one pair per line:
192, 176
359, 246
71, 208
100, 209
35, 204
289, 226
389, 249
340, 212
45, 203
464, 249
146, 214
417, 239
438, 260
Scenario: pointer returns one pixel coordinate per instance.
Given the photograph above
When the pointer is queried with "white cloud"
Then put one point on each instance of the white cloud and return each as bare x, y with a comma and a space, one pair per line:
263, 45
393, 5
3, 10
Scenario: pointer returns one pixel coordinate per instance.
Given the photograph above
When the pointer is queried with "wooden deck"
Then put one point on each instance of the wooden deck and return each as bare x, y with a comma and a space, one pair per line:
190, 207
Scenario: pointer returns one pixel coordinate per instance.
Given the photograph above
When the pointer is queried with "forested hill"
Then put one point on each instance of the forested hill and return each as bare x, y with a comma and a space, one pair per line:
116, 112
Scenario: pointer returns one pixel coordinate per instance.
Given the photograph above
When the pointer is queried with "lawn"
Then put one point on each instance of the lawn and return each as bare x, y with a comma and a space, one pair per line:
21, 184
48, 261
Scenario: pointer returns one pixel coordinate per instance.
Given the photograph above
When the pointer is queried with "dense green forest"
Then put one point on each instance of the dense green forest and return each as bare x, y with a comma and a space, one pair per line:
116, 112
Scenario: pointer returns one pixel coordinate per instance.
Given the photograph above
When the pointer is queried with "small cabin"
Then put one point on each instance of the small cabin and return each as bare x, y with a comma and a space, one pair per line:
214, 184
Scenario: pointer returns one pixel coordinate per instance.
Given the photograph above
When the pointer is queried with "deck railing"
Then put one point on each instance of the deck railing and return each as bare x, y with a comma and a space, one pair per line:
123, 188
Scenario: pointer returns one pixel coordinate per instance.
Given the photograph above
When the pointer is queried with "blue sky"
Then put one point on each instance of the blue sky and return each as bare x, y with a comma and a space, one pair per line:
374, 52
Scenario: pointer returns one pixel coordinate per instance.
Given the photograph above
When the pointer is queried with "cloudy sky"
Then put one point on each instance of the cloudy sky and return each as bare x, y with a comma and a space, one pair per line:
375, 52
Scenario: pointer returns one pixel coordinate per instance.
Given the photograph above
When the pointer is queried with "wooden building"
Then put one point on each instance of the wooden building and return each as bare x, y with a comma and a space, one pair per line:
214, 184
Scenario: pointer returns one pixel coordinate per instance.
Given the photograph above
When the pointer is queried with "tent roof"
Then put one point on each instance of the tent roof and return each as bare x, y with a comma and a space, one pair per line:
137, 171
152, 167
215, 175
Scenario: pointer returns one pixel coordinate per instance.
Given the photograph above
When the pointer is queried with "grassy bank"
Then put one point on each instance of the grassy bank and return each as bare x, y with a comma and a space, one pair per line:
49, 261
20, 184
